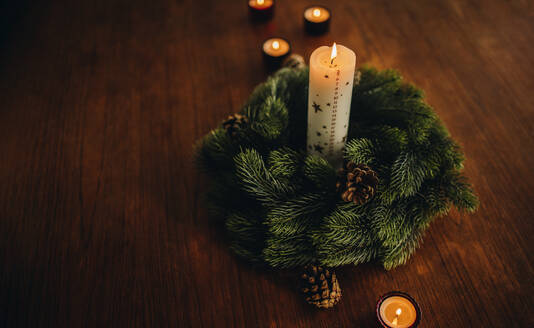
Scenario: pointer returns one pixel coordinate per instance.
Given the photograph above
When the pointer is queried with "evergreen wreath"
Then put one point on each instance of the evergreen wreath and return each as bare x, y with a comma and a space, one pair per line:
285, 209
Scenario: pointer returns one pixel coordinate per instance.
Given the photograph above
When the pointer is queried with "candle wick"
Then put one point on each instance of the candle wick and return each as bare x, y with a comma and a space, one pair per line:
333, 54
396, 319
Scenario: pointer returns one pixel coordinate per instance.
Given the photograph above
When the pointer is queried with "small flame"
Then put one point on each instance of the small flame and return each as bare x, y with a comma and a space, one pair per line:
260, 2
333, 55
398, 312
317, 12
276, 45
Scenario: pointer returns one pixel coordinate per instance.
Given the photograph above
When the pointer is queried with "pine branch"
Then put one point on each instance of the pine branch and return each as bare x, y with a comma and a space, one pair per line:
322, 175
297, 215
360, 151
256, 179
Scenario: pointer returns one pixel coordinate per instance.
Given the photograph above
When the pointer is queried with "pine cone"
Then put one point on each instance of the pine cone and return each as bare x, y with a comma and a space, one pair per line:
294, 61
356, 183
234, 123
320, 286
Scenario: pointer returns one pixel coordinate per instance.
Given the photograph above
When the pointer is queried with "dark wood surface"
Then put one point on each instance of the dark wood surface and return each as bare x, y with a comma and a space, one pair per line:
100, 219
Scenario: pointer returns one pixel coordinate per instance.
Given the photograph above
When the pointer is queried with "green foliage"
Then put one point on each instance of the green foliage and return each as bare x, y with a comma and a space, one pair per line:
280, 205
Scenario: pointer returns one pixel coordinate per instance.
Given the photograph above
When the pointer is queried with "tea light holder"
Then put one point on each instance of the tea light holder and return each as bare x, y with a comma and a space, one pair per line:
398, 310
317, 19
275, 50
261, 10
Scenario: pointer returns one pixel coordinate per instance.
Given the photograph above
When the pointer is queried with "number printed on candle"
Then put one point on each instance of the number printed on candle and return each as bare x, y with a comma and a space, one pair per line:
333, 120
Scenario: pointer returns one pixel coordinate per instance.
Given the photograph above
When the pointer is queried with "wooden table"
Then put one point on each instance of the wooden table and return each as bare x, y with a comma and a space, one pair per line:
101, 222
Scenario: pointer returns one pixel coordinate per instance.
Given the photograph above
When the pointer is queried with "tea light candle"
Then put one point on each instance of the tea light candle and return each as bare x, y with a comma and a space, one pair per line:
275, 50
261, 9
317, 19
398, 310
329, 97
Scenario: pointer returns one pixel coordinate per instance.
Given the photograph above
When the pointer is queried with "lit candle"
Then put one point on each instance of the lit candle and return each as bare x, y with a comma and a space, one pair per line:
317, 19
261, 9
275, 50
398, 310
329, 97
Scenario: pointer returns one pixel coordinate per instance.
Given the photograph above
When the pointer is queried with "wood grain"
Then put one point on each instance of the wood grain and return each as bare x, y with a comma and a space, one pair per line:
101, 223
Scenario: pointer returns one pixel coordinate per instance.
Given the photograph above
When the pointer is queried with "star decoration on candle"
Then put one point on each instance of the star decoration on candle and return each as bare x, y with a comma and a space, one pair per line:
327, 104
318, 133
326, 76
318, 148
317, 107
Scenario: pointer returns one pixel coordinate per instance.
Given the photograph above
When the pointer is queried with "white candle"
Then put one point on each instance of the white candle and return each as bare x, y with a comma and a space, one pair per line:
330, 93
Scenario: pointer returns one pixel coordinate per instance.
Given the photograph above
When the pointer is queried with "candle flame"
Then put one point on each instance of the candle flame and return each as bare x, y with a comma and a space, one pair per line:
260, 2
317, 12
395, 321
333, 55
276, 45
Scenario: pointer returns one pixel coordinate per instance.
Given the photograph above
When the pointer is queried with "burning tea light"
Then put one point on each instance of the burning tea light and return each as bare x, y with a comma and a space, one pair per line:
317, 19
261, 9
275, 50
398, 310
